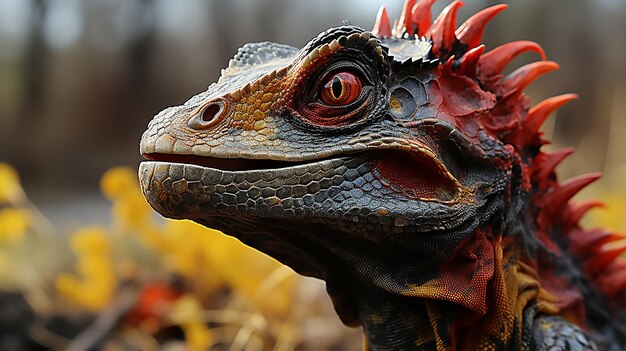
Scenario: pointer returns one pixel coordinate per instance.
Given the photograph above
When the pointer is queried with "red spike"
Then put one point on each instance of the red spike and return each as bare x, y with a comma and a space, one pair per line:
448, 64
471, 31
549, 161
577, 210
382, 28
405, 21
538, 114
612, 281
605, 254
583, 242
421, 16
442, 30
558, 198
493, 62
468, 63
523, 76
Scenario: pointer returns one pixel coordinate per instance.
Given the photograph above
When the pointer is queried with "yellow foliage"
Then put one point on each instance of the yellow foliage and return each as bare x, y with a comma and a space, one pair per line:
613, 216
206, 259
94, 284
90, 240
13, 224
118, 182
10, 188
195, 249
153, 238
205, 256
183, 252
187, 309
198, 336
130, 209
187, 314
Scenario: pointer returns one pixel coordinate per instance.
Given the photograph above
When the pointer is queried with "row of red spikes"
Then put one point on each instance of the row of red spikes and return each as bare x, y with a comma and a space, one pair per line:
598, 249
416, 19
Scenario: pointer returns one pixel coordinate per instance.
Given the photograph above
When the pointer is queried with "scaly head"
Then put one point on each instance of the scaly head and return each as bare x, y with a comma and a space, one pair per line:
312, 155
394, 158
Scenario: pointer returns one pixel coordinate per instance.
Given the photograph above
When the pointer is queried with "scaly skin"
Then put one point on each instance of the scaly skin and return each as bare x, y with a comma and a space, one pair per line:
406, 173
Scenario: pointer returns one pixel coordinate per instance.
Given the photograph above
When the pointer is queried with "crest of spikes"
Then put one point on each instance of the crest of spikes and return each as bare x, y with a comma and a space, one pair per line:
511, 120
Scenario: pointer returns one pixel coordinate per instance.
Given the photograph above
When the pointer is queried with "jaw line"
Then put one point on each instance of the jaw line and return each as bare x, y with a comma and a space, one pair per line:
420, 157
254, 164
232, 164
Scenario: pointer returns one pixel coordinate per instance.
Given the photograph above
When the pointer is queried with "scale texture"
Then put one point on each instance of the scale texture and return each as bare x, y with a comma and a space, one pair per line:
401, 166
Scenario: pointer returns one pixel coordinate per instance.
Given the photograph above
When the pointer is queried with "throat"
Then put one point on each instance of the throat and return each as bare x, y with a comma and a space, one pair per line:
435, 317
392, 322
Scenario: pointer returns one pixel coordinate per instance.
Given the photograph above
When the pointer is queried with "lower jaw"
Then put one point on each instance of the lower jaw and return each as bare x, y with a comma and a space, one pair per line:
347, 190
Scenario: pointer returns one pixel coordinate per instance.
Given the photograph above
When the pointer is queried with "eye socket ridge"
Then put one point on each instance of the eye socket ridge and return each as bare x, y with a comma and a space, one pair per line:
355, 68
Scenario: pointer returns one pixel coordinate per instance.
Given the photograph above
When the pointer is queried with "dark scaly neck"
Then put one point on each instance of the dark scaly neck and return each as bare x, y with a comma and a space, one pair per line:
394, 322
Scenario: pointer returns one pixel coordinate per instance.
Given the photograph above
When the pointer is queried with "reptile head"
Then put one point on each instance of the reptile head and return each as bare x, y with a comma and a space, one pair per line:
362, 156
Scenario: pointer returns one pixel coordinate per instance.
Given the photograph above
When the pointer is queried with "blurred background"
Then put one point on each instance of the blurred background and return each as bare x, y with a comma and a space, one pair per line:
79, 81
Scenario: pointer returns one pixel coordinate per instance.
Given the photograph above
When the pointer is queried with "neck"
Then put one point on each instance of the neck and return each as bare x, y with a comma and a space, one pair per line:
392, 322
479, 298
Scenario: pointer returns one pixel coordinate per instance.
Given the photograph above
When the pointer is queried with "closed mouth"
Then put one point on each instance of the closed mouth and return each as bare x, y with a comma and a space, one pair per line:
417, 175
224, 164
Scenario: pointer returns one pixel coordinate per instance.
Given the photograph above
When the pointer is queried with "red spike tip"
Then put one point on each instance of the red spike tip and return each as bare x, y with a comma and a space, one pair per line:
584, 242
523, 76
538, 114
421, 15
577, 210
549, 161
382, 27
606, 254
405, 22
565, 191
493, 62
471, 31
468, 63
442, 30
612, 281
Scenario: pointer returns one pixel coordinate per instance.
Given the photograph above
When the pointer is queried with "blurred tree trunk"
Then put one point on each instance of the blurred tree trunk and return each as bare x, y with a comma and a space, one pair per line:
139, 52
222, 14
32, 92
34, 66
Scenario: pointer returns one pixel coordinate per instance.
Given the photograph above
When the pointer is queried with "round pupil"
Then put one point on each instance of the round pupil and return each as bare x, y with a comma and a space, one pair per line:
337, 87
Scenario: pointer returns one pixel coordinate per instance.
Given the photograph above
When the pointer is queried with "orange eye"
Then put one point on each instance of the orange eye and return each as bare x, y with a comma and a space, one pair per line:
341, 89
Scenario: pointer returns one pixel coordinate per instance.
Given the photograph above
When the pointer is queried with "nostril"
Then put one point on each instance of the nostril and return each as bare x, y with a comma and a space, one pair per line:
211, 112
207, 116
